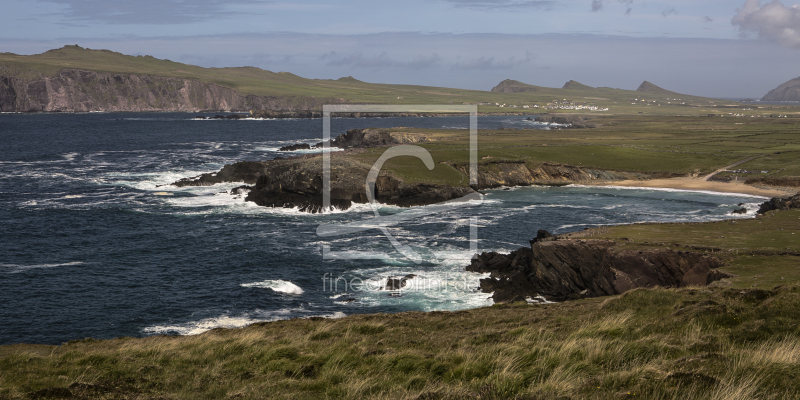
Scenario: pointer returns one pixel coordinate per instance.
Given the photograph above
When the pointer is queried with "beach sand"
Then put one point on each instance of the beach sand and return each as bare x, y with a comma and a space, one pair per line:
700, 184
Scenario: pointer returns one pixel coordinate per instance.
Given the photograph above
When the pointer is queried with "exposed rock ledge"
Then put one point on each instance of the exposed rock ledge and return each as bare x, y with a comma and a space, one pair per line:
570, 269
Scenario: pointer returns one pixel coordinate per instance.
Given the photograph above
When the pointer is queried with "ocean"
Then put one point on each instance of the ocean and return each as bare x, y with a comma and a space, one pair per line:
95, 243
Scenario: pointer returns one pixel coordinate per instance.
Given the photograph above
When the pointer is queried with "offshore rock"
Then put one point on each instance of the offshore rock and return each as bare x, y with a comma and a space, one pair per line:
397, 283
570, 269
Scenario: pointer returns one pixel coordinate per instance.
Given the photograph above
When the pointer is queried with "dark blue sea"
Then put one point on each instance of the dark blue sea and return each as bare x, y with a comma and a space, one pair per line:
95, 243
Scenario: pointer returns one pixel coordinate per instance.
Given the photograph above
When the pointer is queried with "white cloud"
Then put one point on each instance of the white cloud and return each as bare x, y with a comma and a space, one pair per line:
772, 21
148, 11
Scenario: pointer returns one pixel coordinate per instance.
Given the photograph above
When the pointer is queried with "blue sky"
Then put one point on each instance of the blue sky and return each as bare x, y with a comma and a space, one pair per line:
715, 48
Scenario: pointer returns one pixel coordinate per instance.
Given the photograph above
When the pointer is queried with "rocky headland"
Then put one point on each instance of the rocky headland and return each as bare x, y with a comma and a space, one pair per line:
297, 181
561, 267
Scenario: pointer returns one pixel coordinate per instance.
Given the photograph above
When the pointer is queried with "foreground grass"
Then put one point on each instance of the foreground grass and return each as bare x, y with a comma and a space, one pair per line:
654, 344
727, 341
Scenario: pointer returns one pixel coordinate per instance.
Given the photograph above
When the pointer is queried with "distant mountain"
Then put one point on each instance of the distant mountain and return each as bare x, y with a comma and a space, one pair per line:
789, 91
575, 85
647, 87
512, 86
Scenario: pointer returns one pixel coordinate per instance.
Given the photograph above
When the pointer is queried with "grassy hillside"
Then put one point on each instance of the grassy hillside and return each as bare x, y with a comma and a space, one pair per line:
251, 80
738, 342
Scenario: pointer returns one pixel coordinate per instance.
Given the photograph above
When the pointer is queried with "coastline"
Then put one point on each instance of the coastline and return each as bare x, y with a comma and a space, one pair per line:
699, 184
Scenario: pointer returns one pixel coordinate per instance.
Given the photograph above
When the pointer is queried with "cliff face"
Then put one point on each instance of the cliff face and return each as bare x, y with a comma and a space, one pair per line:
789, 91
75, 90
571, 269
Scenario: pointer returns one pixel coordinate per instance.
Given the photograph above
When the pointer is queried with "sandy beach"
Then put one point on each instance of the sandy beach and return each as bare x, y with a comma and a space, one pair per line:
700, 184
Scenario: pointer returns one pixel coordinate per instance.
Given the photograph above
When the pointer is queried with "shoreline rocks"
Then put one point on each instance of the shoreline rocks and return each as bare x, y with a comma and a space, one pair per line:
571, 120
780, 203
570, 269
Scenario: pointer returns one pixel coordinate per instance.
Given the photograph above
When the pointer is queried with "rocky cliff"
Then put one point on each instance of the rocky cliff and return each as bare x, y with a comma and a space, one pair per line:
73, 90
570, 269
789, 91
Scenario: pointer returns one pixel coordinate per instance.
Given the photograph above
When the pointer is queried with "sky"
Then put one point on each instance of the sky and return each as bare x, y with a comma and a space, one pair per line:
718, 48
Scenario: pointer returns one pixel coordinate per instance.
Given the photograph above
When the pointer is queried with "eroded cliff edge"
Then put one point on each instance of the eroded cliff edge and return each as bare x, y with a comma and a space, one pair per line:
75, 90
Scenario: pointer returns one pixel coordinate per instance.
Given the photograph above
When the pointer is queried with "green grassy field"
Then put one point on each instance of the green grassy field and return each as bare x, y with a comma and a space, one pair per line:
250, 80
728, 343
647, 144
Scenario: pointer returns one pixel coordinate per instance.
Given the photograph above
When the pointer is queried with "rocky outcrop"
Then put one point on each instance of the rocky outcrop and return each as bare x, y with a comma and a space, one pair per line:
294, 147
74, 90
297, 183
570, 269
365, 138
572, 120
393, 283
780, 203
789, 91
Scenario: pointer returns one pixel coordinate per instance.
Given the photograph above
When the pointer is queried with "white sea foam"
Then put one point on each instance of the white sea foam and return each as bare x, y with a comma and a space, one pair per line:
445, 286
17, 268
70, 156
239, 321
276, 285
